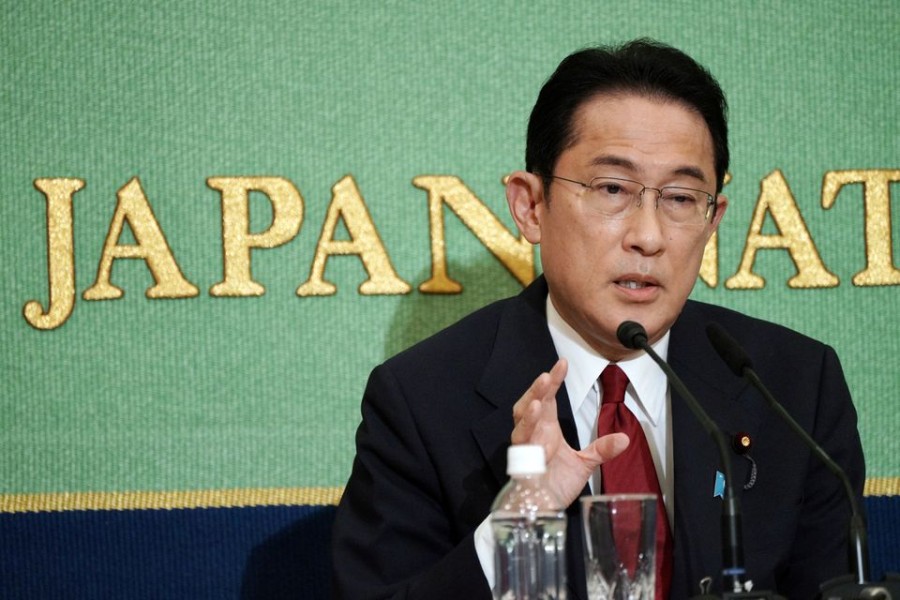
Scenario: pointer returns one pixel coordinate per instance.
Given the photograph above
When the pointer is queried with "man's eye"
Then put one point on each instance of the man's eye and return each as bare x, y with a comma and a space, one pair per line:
681, 199
610, 188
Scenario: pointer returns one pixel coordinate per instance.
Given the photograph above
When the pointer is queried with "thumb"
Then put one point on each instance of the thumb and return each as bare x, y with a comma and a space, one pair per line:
606, 448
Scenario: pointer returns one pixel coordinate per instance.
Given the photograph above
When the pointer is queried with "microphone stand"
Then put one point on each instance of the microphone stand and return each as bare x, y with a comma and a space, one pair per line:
633, 335
855, 586
846, 587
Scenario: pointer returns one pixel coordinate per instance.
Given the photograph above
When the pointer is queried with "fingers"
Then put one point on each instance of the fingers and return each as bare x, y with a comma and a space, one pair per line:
570, 469
534, 414
558, 374
528, 417
543, 388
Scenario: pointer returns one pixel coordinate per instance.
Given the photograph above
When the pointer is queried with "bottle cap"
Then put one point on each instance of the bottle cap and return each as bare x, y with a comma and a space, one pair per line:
525, 459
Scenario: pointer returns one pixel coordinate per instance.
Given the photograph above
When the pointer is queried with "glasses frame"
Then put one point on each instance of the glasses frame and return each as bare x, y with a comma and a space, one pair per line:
711, 205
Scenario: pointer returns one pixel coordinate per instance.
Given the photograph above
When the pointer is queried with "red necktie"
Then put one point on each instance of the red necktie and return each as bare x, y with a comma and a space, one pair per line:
633, 470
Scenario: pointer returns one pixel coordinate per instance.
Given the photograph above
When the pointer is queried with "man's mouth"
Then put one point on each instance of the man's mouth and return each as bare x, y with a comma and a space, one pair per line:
633, 284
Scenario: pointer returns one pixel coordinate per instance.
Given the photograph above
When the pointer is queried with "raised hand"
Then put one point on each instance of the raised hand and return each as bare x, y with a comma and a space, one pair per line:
537, 422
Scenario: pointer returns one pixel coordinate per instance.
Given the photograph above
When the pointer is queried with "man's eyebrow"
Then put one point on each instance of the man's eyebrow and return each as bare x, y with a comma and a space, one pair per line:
608, 160
694, 172
611, 160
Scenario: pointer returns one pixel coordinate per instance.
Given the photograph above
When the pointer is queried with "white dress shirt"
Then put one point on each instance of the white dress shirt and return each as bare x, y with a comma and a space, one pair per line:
647, 396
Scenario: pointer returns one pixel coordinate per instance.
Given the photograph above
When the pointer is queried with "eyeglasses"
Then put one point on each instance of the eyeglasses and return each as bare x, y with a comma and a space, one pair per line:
617, 198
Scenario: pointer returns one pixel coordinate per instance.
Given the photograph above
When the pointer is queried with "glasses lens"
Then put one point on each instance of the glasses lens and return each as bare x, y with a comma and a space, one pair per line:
684, 205
613, 197
617, 198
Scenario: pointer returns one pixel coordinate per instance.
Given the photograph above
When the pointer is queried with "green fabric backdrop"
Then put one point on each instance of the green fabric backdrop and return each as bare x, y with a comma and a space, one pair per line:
257, 392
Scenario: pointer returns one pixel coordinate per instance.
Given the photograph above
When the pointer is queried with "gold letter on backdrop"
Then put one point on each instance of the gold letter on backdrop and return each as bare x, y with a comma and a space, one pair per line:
60, 254
151, 247
287, 217
348, 204
880, 268
709, 267
776, 199
516, 254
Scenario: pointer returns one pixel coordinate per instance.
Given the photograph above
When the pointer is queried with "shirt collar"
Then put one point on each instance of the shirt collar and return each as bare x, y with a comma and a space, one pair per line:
647, 381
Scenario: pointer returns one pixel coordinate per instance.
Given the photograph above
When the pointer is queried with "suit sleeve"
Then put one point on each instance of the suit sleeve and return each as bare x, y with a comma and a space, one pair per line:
818, 554
392, 536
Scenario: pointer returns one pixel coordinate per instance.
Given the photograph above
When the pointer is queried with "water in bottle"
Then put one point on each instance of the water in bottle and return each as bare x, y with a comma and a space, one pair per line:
529, 526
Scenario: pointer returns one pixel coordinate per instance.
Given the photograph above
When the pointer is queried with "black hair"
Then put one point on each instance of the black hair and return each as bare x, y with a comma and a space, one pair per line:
644, 67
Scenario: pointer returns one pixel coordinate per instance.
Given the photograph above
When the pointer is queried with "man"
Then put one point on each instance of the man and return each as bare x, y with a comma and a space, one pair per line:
625, 161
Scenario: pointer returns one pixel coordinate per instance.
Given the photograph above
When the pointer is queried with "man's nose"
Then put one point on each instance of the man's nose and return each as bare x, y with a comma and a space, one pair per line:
644, 231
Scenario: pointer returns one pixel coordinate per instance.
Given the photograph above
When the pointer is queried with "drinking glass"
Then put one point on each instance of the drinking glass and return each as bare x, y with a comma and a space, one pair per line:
620, 546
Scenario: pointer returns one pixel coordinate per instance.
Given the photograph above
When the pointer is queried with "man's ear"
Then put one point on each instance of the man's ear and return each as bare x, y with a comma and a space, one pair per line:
721, 205
525, 196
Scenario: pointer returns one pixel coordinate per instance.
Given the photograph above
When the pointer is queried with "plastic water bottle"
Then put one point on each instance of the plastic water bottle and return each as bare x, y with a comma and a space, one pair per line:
529, 526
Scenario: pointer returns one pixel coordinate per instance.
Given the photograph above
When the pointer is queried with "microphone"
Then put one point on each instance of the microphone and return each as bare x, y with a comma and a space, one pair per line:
738, 361
633, 336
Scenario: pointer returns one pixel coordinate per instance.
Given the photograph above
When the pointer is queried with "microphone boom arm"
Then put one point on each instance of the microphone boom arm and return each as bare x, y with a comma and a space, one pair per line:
633, 335
741, 365
859, 548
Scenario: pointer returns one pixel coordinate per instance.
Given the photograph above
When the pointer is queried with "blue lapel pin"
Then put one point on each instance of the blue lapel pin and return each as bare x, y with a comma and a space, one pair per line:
719, 487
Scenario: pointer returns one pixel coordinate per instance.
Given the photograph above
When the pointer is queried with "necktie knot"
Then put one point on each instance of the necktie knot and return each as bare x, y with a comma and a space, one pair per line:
613, 380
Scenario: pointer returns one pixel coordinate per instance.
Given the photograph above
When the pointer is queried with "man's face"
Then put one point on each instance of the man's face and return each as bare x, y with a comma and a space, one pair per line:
604, 271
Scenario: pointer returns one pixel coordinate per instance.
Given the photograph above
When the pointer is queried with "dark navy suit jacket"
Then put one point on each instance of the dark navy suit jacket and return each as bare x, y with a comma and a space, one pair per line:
437, 418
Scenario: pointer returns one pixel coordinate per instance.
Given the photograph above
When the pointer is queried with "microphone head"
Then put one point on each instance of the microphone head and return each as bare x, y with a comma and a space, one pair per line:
632, 335
730, 351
